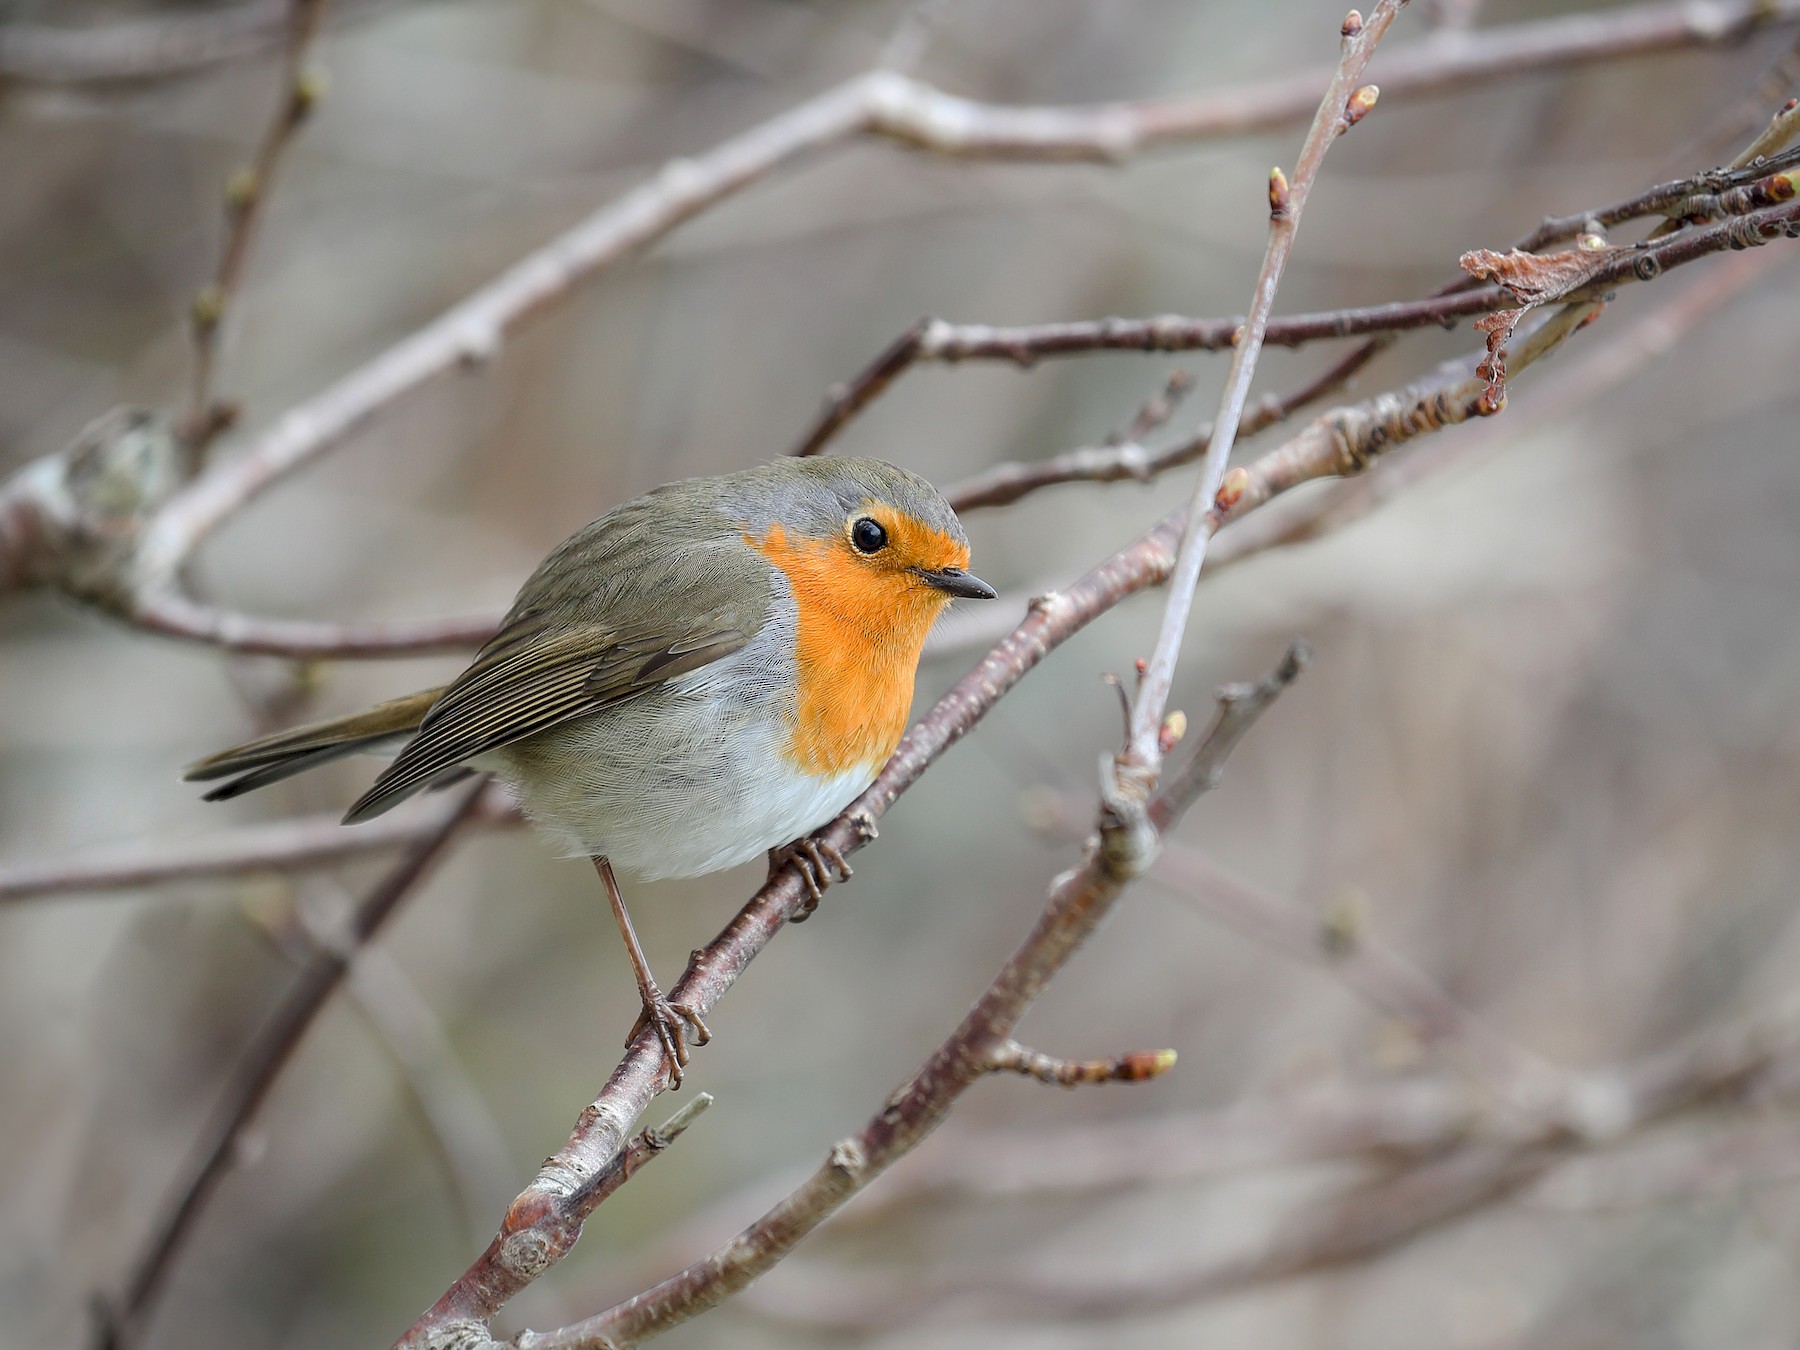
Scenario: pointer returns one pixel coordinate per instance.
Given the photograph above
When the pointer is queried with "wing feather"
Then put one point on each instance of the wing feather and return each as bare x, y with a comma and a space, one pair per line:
522, 684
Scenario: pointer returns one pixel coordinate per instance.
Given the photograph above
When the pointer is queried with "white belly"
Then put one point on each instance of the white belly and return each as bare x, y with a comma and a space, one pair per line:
675, 783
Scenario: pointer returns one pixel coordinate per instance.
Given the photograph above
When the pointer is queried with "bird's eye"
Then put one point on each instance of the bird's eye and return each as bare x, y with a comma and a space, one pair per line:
867, 536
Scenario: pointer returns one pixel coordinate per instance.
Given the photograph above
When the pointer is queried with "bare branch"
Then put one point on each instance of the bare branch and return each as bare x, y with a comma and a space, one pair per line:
1702, 196
246, 195
1343, 105
285, 846
1134, 1066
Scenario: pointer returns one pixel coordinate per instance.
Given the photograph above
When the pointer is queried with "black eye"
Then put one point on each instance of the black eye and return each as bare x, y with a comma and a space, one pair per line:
866, 536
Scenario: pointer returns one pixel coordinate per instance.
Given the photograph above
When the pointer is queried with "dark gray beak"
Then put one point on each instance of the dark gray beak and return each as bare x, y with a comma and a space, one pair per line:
955, 581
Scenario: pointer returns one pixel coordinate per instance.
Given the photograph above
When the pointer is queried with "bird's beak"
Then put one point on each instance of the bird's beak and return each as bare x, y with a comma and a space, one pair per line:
955, 581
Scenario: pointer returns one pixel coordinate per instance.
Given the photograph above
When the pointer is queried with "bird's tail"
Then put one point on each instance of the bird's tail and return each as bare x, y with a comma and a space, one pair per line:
268, 760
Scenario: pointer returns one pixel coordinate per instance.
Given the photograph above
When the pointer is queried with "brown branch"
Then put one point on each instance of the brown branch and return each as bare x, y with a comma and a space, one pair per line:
1704, 195
1135, 1066
173, 614
1343, 105
1077, 902
935, 341
123, 1321
246, 195
285, 846
1575, 387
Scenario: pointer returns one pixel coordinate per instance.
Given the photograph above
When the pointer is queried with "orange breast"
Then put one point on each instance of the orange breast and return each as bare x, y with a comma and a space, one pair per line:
860, 632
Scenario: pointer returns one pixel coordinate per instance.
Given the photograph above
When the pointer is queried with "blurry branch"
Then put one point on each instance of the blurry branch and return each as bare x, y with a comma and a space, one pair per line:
285, 847
149, 49
1338, 941
246, 195
1125, 843
1451, 1161
1756, 1152
122, 1321
47, 536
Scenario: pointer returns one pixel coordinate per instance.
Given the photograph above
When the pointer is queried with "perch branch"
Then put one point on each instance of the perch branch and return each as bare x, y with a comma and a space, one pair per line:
1077, 902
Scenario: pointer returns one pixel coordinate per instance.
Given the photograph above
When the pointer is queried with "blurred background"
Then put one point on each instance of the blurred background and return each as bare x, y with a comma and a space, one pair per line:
1547, 749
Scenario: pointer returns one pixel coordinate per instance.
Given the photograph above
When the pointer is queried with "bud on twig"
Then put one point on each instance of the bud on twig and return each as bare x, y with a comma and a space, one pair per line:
1278, 194
1174, 727
1357, 106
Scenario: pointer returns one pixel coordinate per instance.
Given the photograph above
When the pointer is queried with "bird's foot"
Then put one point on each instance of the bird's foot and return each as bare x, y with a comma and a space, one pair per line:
671, 1022
819, 865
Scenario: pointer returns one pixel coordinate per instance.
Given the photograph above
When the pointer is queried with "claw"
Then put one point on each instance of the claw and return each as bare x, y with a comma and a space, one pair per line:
819, 864
670, 1021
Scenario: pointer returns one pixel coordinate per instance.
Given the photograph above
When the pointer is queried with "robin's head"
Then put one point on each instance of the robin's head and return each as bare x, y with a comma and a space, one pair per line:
864, 536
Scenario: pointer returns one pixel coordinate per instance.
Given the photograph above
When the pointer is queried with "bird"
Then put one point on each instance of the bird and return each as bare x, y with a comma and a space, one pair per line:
708, 672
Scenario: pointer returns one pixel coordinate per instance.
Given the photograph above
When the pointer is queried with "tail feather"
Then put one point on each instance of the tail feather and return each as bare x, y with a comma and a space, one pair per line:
270, 759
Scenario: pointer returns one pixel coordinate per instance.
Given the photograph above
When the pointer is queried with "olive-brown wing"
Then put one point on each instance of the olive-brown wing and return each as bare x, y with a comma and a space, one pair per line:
534, 675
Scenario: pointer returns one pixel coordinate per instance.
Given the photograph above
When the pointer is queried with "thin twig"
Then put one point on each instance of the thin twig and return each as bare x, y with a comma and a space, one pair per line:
1135, 1066
285, 846
935, 341
246, 197
123, 1321
1343, 105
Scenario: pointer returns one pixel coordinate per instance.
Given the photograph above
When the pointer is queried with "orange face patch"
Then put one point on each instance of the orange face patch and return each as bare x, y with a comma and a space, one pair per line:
862, 623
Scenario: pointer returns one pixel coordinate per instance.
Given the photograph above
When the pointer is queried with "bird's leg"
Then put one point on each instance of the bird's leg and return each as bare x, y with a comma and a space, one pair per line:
669, 1020
819, 864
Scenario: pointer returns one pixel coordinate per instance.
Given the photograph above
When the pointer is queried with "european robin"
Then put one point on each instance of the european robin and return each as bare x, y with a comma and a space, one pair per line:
712, 670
